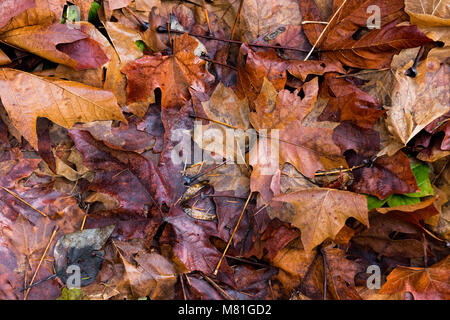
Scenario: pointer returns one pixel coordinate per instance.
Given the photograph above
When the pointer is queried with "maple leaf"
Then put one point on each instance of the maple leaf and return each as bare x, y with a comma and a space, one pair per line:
261, 17
349, 103
433, 19
320, 213
39, 12
27, 97
172, 74
426, 99
373, 50
190, 242
423, 283
24, 233
379, 237
299, 144
254, 66
58, 43
145, 274
131, 171
387, 176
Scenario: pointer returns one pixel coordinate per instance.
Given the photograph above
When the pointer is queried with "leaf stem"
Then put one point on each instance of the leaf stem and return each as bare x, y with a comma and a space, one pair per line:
232, 235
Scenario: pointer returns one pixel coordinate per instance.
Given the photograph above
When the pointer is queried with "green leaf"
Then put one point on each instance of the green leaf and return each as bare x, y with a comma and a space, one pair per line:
73, 13
422, 174
71, 294
374, 202
93, 12
141, 45
399, 200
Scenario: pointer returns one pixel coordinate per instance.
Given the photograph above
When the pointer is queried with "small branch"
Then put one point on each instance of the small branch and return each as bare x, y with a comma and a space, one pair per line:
220, 63
144, 25
363, 72
236, 22
206, 16
182, 287
217, 287
192, 2
248, 261
314, 22
161, 29
192, 179
19, 198
412, 72
215, 121
232, 235
324, 29
55, 229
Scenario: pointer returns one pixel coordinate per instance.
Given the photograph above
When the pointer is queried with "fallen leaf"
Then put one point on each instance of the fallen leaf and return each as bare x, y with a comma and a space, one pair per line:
58, 43
426, 99
375, 49
173, 75
320, 213
63, 102
147, 274
423, 283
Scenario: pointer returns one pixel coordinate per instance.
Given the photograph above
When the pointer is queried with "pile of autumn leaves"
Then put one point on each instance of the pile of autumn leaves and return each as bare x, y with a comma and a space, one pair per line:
105, 156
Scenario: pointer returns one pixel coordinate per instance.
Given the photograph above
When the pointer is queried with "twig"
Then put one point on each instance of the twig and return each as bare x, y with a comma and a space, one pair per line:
84, 221
182, 286
219, 63
19, 198
412, 72
261, 209
215, 121
248, 261
206, 16
192, 179
324, 29
144, 25
236, 22
55, 229
192, 2
232, 235
161, 29
363, 72
335, 171
39, 282
217, 287
314, 22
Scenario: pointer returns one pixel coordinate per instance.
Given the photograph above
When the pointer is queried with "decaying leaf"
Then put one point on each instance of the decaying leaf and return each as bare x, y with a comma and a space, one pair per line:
173, 75
27, 97
423, 283
320, 213
418, 101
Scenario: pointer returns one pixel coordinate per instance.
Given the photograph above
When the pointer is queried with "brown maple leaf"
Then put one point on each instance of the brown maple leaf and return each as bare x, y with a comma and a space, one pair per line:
423, 283
375, 49
27, 97
172, 74
320, 213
